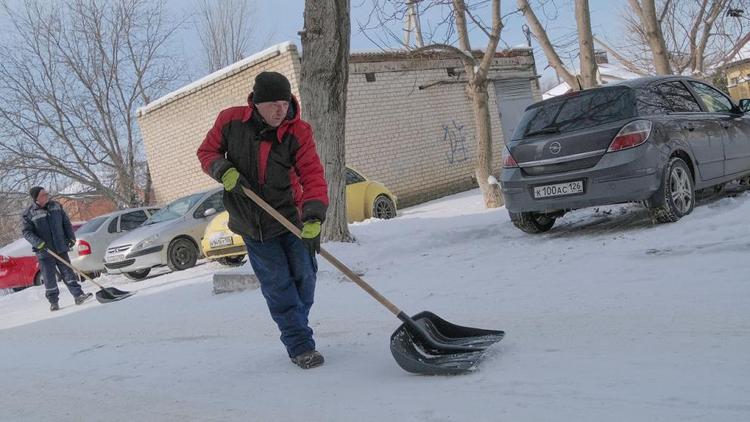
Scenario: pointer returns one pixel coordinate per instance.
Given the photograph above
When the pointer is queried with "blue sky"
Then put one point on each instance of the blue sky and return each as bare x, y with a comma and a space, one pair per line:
280, 20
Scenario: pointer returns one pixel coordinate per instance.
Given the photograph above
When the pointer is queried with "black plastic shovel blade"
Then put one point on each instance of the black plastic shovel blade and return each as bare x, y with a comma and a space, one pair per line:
434, 346
110, 294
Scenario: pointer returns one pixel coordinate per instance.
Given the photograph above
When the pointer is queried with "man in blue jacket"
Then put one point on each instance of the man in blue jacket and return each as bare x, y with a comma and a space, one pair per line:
47, 227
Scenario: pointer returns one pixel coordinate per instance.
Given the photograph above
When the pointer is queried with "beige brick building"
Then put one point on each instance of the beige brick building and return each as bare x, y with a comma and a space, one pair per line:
409, 121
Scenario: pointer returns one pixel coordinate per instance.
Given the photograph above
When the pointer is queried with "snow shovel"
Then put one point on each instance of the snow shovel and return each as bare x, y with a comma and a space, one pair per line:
423, 344
106, 294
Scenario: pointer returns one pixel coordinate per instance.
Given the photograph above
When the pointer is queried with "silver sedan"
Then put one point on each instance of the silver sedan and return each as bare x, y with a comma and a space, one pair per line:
93, 237
170, 237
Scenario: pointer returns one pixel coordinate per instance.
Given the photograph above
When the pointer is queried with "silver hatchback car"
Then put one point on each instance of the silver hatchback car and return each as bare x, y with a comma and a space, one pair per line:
94, 236
171, 237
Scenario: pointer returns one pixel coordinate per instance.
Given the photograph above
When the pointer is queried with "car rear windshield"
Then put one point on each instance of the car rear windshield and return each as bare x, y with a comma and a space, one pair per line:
575, 111
92, 225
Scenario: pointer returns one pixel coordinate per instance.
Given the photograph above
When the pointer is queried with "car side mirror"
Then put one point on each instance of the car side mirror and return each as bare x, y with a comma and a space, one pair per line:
209, 212
745, 105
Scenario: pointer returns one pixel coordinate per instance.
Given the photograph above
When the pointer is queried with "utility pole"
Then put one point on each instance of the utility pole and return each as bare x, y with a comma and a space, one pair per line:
412, 26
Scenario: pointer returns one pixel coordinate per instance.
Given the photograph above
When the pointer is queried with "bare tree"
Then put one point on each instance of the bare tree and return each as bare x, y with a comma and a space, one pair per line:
587, 62
441, 36
72, 75
540, 33
699, 35
323, 88
586, 43
476, 87
645, 10
226, 29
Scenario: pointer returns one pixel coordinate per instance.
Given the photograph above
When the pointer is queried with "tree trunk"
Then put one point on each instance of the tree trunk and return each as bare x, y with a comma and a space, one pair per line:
477, 91
586, 44
149, 185
482, 123
325, 74
549, 50
654, 34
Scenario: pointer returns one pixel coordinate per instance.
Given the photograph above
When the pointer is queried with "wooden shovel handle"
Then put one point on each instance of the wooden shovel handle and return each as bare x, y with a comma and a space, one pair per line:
59, 258
324, 253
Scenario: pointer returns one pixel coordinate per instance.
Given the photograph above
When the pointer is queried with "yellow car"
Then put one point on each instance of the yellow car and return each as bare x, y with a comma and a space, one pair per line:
364, 199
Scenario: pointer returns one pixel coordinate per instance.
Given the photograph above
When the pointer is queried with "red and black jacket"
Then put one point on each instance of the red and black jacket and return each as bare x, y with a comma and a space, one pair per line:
281, 165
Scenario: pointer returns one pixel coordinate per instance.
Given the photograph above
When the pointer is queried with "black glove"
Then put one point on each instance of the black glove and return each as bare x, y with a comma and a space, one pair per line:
311, 236
71, 243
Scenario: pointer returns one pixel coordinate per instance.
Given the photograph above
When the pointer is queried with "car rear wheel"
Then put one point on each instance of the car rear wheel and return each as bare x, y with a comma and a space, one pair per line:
383, 208
182, 254
676, 196
532, 222
231, 261
138, 275
38, 279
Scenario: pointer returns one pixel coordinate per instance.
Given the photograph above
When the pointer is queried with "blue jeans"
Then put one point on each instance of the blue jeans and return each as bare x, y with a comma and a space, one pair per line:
49, 265
286, 272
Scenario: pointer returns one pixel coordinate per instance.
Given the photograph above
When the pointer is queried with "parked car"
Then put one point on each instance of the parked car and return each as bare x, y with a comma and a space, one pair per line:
93, 237
364, 199
19, 267
171, 236
655, 139
367, 198
221, 244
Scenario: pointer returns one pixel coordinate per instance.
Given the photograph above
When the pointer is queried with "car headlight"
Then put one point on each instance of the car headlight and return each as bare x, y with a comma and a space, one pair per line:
146, 243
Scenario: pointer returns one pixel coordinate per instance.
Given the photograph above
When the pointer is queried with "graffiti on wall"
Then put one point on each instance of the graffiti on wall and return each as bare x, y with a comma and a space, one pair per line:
455, 138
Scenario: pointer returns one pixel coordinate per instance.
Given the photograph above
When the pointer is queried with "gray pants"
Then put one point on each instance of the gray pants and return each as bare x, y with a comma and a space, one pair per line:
49, 265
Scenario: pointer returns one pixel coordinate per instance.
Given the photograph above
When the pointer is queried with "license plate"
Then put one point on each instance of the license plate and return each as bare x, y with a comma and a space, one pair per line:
115, 258
559, 189
219, 242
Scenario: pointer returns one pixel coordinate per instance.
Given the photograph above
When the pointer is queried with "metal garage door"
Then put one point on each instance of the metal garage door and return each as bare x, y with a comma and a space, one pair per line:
512, 97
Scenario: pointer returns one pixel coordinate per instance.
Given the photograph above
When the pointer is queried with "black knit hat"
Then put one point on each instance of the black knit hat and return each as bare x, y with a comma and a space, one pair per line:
271, 86
34, 192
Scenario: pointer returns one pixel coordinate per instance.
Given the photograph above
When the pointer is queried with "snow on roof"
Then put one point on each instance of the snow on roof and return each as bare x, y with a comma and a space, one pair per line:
613, 71
216, 76
17, 248
743, 54
609, 73
76, 188
558, 90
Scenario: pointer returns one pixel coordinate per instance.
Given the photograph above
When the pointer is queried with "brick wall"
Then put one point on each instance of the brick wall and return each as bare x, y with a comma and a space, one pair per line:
418, 142
174, 128
738, 81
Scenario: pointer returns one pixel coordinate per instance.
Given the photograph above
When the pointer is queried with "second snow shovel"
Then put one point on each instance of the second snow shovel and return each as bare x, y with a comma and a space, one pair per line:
423, 344
106, 294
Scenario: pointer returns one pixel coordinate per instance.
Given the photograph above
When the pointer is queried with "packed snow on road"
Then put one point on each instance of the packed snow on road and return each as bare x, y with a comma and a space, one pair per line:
607, 317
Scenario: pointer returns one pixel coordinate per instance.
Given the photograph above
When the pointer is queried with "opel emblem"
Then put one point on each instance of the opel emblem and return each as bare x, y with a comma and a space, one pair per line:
554, 148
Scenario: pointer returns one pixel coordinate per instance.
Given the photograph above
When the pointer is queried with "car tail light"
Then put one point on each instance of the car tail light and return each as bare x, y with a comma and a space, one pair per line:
508, 160
631, 135
84, 248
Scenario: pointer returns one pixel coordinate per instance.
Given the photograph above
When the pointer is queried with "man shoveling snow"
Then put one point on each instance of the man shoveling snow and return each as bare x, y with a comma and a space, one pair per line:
266, 147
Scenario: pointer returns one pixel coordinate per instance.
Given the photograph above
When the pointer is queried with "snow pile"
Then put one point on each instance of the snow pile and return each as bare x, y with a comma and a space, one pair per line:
607, 316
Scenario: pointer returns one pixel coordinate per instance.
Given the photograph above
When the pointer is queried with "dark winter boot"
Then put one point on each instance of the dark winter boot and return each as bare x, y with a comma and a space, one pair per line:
308, 360
82, 298
54, 307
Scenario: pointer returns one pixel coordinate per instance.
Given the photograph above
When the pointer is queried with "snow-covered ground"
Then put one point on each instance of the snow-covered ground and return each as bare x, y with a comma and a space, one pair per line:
607, 318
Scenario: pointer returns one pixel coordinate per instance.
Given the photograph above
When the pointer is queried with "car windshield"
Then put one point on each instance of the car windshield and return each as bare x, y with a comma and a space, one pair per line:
174, 210
577, 111
92, 225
